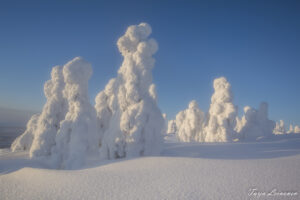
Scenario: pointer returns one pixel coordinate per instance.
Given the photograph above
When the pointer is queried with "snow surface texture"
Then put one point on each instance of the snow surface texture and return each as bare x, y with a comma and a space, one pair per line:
190, 124
184, 171
222, 113
53, 112
77, 136
255, 123
130, 122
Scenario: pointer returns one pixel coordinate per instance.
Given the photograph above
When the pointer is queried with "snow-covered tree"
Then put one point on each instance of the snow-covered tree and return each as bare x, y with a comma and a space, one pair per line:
222, 113
279, 128
291, 129
130, 121
255, 123
53, 113
297, 129
189, 124
172, 127
77, 136
24, 141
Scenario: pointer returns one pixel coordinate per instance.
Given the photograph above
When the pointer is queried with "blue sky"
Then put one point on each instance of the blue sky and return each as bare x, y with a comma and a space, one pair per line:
254, 44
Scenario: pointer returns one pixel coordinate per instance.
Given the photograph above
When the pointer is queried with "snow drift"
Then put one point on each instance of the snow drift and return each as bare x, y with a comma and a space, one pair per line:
130, 122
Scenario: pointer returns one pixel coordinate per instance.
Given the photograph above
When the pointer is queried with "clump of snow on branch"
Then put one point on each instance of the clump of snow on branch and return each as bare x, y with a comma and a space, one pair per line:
24, 141
255, 123
189, 124
222, 113
77, 136
53, 112
130, 122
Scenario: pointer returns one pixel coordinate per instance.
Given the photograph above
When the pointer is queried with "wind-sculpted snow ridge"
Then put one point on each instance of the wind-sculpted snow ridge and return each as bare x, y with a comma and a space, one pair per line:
255, 123
77, 136
189, 124
24, 141
222, 113
130, 122
53, 113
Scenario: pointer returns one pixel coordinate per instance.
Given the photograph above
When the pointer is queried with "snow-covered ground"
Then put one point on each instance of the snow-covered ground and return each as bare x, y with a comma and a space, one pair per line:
183, 171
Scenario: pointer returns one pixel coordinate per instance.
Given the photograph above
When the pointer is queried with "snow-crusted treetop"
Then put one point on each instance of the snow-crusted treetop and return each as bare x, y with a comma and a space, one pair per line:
76, 74
193, 105
77, 71
222, 90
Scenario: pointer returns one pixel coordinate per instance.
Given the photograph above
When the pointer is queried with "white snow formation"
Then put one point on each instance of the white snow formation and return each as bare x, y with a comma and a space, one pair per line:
53, 113
279, 128
222, 113
189, 124
297, 129
130, 122
255, 123
172, 127
77, 136
24, 141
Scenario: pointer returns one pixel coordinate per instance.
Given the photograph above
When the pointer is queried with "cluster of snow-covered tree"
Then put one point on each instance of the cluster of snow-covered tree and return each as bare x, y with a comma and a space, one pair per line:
125, 121
221, 123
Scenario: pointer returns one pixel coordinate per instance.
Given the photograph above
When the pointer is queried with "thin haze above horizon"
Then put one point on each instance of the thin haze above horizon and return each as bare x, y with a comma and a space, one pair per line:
254, 44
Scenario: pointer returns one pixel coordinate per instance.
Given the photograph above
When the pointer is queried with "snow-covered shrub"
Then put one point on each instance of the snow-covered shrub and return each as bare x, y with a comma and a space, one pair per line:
291, 129
24, 141
222, 113
279, 128
53, 113
77, 136
130, 121
189, 124
172, 127
297, 129
255, 123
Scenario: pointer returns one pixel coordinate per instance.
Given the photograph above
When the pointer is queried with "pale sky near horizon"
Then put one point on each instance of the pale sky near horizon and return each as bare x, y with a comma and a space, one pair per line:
254, 44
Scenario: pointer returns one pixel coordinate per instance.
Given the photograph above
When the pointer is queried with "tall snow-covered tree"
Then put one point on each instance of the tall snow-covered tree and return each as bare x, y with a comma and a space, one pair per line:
172, 127
53, 113
77, 136
130, 121
222, 113
189, 124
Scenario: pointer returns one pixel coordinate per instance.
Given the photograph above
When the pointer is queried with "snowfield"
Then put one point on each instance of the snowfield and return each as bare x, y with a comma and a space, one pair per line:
183, 171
